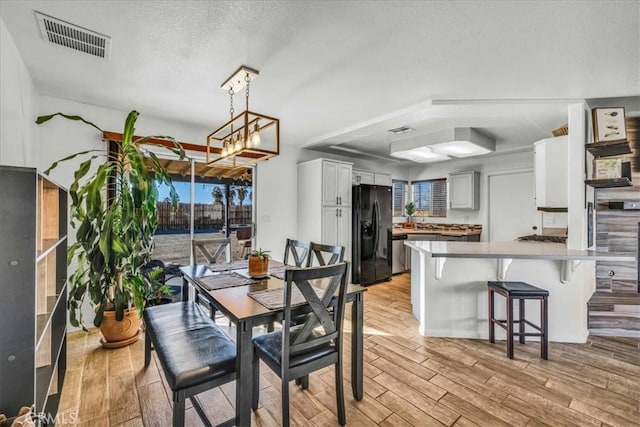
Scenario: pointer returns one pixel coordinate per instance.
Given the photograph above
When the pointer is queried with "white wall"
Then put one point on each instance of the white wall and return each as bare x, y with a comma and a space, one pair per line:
18, 105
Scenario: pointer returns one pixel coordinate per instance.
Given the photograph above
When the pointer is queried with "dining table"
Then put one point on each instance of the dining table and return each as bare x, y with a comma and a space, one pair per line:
223, 289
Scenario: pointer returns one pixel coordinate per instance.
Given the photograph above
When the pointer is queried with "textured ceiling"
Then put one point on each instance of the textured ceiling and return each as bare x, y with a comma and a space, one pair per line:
329, 68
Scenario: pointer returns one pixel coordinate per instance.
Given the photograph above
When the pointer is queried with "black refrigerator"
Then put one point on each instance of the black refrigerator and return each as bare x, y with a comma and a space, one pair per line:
372, 212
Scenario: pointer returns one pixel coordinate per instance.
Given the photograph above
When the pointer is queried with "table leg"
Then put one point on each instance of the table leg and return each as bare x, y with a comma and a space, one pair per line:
357, 352
244, 374
185, 289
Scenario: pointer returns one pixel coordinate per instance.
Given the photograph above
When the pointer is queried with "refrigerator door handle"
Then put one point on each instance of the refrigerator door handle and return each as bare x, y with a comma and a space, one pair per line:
376, 220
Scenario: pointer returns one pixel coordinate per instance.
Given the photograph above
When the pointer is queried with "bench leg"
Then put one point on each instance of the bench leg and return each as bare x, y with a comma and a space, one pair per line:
178, 408
521, 320
509, 328
492, 329
147, 348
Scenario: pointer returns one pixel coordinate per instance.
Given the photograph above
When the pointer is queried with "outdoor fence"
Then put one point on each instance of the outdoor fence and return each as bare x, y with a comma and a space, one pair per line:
207, 217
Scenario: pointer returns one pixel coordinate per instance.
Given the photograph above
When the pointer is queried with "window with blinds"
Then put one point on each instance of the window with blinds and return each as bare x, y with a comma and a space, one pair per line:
430, 197
399, 193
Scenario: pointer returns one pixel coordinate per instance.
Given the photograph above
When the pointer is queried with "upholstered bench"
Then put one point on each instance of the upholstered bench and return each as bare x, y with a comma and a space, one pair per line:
195, 354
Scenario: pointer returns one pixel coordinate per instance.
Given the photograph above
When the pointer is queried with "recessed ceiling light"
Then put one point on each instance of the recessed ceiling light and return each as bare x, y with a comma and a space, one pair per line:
401, 130
460, 149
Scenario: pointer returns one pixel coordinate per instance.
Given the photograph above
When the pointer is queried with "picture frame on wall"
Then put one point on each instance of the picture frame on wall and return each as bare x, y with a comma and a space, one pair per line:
608, 124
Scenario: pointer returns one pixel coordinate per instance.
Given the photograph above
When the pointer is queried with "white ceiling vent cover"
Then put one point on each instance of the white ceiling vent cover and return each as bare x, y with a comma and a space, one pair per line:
65, 34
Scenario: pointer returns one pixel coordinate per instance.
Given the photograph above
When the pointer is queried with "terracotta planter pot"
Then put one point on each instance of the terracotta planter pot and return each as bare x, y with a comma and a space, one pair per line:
125, 331
258, 267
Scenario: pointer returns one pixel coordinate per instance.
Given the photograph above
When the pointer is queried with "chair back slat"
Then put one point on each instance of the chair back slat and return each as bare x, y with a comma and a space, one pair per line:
299, 250
321, 326
222, 246
325, 254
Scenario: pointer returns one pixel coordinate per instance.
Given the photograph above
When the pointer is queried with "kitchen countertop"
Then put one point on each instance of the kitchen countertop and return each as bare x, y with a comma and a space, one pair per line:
444, 232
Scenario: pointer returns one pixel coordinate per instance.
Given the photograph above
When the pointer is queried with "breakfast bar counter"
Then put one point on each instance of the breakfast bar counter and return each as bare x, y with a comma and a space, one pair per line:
449, 281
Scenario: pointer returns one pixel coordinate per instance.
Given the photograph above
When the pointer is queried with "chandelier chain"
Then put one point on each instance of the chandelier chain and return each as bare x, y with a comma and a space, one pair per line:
247, 79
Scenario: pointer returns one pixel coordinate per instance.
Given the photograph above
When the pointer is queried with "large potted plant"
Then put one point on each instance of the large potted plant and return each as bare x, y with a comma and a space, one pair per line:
114, 238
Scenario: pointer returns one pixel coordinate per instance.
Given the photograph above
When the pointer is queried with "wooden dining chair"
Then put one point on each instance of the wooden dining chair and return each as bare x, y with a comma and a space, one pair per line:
243, 234
298, 350
325, 254
221, 246
298, 250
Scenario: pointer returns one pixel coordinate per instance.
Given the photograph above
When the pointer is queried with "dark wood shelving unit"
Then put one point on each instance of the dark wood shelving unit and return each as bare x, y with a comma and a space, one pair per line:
609, 183
609, 148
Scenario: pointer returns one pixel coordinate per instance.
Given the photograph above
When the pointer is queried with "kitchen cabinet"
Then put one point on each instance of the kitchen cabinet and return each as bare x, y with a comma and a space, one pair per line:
371, 178
33, 267
382, 179
362, 177
336, 227
324, 203
464, 190
551, 164
336, 183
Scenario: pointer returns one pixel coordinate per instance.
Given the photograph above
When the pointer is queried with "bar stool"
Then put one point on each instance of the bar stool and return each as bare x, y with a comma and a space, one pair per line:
520, 291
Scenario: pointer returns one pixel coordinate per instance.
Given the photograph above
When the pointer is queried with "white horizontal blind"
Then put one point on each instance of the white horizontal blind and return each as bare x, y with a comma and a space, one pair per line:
399, 191
430, 197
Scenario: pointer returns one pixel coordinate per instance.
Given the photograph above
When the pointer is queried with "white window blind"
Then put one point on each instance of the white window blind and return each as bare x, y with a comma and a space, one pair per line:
399, 191
430, 197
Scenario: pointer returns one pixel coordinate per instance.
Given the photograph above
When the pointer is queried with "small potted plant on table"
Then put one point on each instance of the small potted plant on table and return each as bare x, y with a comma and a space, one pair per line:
259, 263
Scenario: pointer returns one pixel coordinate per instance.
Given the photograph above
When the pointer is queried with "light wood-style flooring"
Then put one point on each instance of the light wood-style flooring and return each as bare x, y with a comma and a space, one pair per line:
409, 380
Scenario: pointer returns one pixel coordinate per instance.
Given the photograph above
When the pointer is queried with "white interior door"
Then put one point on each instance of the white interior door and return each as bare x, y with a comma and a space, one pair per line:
512, 210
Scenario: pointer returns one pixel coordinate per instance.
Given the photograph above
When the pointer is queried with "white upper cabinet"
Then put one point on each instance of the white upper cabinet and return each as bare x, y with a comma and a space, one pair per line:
362, 177
464, 190
551, 163
382, 179
336, 183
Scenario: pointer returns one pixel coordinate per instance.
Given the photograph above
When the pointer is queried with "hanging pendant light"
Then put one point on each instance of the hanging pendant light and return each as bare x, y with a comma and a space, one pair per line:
246, 138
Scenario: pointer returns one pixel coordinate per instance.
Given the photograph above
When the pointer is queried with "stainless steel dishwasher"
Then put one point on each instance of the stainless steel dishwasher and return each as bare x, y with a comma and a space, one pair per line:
398, 262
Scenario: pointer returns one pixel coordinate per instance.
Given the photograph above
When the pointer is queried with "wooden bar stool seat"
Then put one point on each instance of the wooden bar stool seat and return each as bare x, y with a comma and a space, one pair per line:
520, 291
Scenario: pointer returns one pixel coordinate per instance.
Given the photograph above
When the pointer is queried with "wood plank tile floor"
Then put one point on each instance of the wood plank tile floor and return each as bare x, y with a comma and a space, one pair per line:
409, 380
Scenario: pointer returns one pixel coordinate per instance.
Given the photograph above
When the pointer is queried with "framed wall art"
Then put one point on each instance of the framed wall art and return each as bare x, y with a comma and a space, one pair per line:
608, 124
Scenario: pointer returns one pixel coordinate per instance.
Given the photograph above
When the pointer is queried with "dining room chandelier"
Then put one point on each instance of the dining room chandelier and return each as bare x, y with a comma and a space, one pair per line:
247, 137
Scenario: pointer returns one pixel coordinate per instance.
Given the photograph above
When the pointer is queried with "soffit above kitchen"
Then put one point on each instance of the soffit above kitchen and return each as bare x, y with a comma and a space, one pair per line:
329, 67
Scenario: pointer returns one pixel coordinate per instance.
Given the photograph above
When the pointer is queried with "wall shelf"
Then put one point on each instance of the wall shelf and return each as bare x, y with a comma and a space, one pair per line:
609, 183
608, 148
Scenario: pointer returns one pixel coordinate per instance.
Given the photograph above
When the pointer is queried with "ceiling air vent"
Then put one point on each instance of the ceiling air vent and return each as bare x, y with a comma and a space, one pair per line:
65, 34
401, 130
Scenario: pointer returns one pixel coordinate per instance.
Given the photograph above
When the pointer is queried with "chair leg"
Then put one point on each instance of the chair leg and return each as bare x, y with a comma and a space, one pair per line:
492, 326
521, 323
178, 409
147, 348
285, 401
510, 328
342, 417
256, 380
544, 320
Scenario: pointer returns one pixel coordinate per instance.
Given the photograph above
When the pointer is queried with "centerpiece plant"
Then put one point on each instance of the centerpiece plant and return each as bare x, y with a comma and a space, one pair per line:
258, 263
114, 236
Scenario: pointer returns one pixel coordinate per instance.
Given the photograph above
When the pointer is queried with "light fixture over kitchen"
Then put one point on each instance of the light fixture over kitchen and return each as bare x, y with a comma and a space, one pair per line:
445, 145
246, 138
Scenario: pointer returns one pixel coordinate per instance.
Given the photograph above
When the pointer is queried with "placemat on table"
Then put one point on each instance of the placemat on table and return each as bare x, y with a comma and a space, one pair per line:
274, 298
227, 266
277, 272
225, 280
